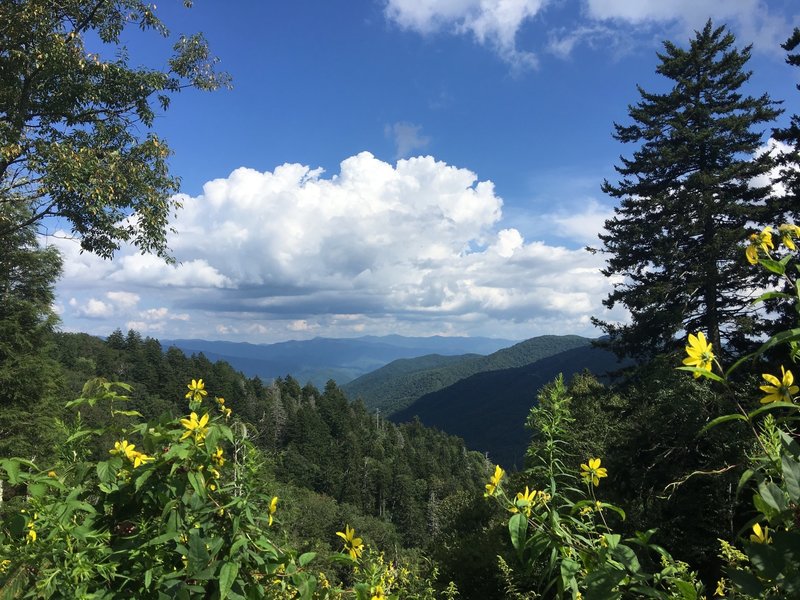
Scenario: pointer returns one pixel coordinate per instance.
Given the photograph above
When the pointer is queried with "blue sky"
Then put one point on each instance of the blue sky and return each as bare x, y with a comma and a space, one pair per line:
399, 166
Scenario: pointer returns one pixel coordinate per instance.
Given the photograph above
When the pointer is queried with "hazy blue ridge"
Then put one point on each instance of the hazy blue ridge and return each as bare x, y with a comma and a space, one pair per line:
398, 384
318, 360
489, 409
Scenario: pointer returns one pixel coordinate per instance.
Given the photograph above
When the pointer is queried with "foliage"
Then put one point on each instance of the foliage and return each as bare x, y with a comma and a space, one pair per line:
767, 564
686, 194
28, 374
75, 139
171, 512
562, 532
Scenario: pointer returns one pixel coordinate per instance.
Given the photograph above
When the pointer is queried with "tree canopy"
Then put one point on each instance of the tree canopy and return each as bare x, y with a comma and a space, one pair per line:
76, 138
687, 195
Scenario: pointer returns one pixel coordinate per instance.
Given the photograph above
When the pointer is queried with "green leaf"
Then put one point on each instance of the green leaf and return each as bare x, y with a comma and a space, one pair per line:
306, 558
198, 482
703, 373
766, 560
227, 575
687, 590
104, 471
127, 413
770, 406
774, 266
772, 495
600, 583
37, 490
518, 528
722, 419
746, 582
772, 296
791, 476
625, 555
11, 467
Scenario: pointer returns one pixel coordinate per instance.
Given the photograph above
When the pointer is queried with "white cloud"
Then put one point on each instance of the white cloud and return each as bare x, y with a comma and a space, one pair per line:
752, 19
611, 26
415, 247
494, 23
407, 138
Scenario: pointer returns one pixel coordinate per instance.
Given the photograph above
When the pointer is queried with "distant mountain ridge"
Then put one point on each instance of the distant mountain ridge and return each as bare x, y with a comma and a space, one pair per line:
488, 410
398, 384
320, 359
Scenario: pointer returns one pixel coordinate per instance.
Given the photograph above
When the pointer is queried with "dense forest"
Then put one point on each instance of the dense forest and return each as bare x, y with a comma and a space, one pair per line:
132, 470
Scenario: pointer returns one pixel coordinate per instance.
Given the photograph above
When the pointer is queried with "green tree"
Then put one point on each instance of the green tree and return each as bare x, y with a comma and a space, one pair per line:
28, 375
76, 117
687, 194
790, 161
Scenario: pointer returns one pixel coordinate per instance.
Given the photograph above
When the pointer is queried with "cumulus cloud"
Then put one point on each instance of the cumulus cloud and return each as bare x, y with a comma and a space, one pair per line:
407, 138
494, 23
415, 247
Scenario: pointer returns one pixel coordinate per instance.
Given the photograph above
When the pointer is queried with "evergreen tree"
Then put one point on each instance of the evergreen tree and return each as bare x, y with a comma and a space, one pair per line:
790, 161
687, 195
28, 375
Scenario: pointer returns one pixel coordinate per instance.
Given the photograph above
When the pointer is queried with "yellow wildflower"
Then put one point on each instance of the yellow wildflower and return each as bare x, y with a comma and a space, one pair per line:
140, 458
780, 390
226, 411
197, 389
52, 474
377, 593
195, 426
125, 449
4, 564
491, 487
759, 535
593, 472
217, 457
759, 241
273, 506
525, 500
720, 588
789, 231
700, 354
31, 536
352, 544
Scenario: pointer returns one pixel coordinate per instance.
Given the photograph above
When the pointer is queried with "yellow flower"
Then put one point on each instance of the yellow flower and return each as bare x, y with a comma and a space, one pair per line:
125, 449
273, 506
52, 474
720, 588
789, 231
593, 472
780, 390
494, 481
226, 411
195, 426
217, 457
700, 354
197, 389
760, 536
220, 401
352, 544
759, 241
4, 564
525, 500
140, 458
31, 536
377, 593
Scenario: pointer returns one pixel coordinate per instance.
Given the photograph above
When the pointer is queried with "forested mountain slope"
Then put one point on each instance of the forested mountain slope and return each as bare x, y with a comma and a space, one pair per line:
400, 383
488, 410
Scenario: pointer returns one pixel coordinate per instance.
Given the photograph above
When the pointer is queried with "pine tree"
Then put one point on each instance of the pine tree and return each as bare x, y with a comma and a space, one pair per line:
790, 135
688, 195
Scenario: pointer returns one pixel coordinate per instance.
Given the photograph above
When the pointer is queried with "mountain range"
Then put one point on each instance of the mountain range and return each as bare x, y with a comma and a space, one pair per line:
320, 359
